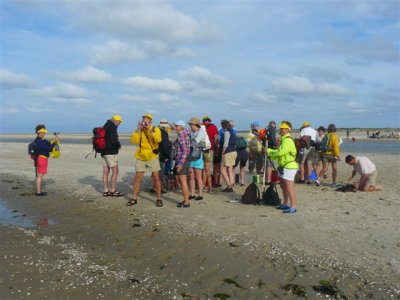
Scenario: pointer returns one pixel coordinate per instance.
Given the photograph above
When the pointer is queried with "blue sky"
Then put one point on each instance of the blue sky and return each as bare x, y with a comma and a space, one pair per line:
71, 64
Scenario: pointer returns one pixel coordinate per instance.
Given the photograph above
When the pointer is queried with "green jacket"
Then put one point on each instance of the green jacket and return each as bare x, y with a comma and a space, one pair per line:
286, 153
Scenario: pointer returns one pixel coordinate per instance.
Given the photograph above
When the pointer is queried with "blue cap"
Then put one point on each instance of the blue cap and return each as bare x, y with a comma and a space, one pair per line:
180, 123
255, 124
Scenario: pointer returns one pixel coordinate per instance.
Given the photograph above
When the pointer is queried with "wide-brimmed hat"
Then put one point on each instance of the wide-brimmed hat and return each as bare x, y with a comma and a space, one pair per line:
164, 123
117, 118
148, 115
194, 121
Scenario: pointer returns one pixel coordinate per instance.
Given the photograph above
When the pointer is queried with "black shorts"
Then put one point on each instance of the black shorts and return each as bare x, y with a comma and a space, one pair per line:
242, 158
217, 159
184, 170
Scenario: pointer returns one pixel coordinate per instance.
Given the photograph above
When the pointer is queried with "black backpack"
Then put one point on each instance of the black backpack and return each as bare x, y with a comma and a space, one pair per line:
271, 196
251, 194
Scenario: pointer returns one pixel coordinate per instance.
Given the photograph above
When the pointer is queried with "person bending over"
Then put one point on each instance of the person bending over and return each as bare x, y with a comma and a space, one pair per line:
366, 168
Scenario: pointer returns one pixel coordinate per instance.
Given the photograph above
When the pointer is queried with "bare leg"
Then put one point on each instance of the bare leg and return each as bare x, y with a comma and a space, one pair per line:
39, 180
157, 183
284, 191
137, 183
199, 180
192, 183
106, 172
185, 189
302, 172
334, 172
242, 175
225, 175
325, 166
269, 173
290, 190
114, 177
231, 175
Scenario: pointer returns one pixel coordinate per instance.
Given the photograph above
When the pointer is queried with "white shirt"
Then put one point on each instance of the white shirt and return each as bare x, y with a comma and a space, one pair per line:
364, 165
310, 132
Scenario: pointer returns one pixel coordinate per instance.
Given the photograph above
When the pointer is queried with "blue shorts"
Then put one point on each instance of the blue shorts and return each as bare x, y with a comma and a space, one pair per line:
198, 164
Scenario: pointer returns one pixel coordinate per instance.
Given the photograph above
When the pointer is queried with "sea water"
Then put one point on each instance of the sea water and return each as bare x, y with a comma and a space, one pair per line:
371, 146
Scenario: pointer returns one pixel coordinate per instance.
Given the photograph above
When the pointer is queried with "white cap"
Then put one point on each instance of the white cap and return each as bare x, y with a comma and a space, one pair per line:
180, 123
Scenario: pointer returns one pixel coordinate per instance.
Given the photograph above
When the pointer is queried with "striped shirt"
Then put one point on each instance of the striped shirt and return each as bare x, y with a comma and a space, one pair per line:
182, 146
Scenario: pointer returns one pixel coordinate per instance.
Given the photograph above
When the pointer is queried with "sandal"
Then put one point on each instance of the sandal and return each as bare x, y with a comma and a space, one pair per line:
106, 194
159, 203
115, 194
131, 202
183, 205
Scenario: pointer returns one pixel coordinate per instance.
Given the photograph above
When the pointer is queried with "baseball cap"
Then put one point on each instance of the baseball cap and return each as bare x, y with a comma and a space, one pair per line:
148, 115
255, 124
42, 130
306, 123
284, 126
117, 118
180, 123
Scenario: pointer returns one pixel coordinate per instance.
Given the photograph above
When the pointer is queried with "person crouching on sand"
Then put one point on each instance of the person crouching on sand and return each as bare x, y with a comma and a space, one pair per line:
43, 149
182, 163
286, 155
366, 168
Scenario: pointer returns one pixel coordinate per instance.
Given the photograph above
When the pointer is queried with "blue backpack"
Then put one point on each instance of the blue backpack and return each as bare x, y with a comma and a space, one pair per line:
323, 147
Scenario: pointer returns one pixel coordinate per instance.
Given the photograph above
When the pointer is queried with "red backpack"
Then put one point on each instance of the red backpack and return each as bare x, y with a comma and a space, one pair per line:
99, 139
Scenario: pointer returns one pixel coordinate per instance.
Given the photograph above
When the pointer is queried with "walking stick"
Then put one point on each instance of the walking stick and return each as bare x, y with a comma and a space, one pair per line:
265, 163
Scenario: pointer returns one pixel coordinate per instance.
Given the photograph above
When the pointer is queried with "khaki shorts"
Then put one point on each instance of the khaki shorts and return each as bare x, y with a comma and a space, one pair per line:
328, 158
208, 156
310, 155
229, 159
371, 180
153, 165
110, 160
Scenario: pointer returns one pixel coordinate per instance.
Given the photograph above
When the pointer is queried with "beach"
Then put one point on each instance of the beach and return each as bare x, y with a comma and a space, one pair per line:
96, 247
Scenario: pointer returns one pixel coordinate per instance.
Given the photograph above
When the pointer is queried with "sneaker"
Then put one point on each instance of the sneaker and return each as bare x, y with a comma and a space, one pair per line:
317, 183
283, 206
228, 190
198, 198
290, 210
183, 205
192, 197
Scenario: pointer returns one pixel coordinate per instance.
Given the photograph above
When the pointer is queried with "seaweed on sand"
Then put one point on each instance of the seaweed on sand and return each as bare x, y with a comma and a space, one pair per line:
231, 281
296, 289
222, 296
328, 288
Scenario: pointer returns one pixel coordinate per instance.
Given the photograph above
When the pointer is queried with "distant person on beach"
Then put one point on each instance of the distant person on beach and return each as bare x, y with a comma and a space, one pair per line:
330, 149
182, 163
228, 151
308, 156
41, 156
286, 156
366, 168
147, 137
110, 156
209, 155
199, 135
321, 133
242, 156
347, 134
164, 157
272, 143
256, 157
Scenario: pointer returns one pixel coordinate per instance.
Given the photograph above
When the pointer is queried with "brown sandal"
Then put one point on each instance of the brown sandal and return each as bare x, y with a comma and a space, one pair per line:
159, 203
131, 202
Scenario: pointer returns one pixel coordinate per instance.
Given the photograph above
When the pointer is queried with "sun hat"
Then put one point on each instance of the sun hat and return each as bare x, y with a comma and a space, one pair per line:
306, 123
42, 130
180, 123
164, 123
117, 118
194, 121
148, 115
284, 126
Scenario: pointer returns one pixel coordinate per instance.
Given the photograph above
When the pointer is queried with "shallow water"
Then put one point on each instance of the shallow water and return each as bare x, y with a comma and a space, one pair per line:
371, 146
10, 216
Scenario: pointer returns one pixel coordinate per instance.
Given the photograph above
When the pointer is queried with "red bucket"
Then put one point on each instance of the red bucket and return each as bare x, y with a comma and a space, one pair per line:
274, 176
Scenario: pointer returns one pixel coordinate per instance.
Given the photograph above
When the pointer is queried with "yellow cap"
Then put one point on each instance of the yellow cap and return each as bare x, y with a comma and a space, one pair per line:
306, 124
42, 130
147, 115
117, 118
284, 126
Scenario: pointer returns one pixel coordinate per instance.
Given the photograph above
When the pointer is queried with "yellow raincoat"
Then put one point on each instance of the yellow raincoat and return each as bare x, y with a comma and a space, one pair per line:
147, 140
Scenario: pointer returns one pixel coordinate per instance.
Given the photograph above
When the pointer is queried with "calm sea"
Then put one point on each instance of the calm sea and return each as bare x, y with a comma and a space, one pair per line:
359, 146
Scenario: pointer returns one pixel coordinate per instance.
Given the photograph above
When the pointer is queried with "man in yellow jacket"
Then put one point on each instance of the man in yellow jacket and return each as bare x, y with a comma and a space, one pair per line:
330, 155
286, 156
147, 137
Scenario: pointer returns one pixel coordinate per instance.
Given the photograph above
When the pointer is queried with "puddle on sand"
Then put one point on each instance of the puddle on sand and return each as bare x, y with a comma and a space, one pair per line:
14, 217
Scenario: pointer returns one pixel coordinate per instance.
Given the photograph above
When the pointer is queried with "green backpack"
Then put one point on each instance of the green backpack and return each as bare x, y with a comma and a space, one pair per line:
241, 143
323, 147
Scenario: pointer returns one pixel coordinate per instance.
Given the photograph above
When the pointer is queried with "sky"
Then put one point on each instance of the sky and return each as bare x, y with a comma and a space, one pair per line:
72, 64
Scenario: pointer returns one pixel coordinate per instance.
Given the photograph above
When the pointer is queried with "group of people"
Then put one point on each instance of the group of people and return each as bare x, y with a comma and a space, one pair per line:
208, 156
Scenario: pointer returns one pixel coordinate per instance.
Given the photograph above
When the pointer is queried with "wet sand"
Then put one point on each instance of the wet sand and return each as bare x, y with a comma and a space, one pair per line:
100, 248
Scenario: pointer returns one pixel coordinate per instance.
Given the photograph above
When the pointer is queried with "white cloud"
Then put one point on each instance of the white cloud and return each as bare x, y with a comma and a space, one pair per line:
8, 110
12, 80
264, 98
131, 98
163, 85
203, 76
139, 19
61, 90
75, 101
356, 108
116, 51
88, 74
303, 86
